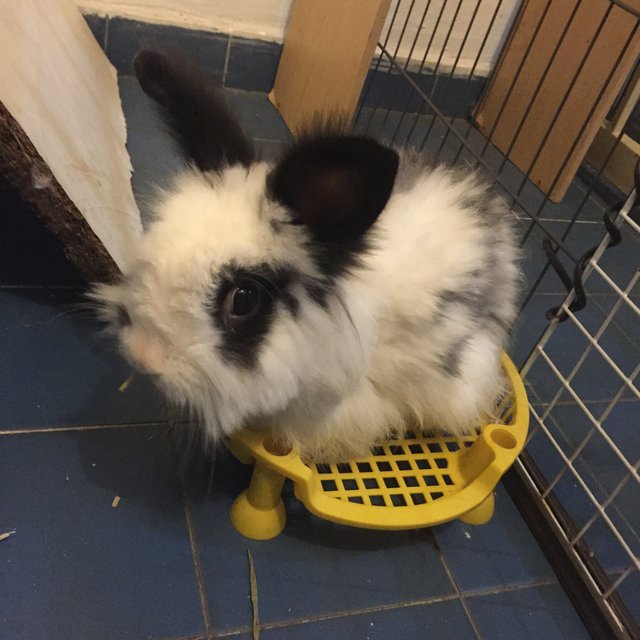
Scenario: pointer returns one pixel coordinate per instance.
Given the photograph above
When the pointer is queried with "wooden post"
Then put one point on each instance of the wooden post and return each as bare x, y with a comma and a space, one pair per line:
62, 133
29, 174
327, 52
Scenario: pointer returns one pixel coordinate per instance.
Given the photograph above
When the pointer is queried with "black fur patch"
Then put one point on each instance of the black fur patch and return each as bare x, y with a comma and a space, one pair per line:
480, 304
336, 186
243, 349
481, 294
318, 291
452, 358
194, 111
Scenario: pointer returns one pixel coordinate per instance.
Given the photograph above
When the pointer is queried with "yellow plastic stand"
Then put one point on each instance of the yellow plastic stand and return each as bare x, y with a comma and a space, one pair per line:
258, 513
418, 481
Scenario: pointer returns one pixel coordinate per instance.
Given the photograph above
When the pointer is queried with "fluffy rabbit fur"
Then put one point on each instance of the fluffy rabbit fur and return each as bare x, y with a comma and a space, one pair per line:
336, 296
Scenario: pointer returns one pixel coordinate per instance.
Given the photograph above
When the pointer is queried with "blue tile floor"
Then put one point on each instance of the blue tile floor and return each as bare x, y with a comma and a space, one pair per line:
164, 562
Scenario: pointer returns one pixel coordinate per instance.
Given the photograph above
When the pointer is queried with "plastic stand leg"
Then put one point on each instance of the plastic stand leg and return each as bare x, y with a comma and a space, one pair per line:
258, 513
480, 514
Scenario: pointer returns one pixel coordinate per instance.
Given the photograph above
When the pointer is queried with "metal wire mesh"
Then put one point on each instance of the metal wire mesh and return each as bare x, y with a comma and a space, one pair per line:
581, 366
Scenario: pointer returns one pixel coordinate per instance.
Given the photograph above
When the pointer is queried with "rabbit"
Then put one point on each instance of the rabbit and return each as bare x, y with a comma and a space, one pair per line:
334, 296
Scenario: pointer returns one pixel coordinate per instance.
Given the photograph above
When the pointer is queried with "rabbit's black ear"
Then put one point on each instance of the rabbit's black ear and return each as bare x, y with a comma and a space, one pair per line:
194, 111
336, 185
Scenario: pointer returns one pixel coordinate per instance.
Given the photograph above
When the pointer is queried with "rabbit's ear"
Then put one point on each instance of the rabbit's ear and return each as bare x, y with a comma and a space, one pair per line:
336, 185
194, 111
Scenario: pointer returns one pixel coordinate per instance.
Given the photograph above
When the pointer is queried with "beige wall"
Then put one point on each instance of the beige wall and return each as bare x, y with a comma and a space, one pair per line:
262, 19
267, 19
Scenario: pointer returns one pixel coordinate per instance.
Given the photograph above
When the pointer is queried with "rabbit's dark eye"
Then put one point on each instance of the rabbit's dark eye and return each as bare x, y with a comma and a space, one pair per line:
244, 300
243, 304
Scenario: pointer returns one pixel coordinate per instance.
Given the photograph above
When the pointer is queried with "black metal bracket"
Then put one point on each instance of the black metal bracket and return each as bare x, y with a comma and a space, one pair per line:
575, 283
634, 212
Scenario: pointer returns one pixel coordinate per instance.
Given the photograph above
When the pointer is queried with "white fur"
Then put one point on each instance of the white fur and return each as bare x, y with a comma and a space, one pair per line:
331, 380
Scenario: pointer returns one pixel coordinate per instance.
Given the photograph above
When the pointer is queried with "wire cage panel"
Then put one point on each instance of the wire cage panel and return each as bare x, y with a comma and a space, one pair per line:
578, 338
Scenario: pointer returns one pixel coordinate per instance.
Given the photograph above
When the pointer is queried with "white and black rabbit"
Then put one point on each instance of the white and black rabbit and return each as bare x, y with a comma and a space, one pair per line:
334, 296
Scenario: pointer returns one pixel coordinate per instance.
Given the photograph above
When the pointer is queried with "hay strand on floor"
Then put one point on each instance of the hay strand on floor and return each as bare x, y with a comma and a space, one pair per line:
123, 387
254, 598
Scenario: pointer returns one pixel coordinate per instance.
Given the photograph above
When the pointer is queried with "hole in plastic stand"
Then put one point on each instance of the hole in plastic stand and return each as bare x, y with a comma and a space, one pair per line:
504, 439
277, 447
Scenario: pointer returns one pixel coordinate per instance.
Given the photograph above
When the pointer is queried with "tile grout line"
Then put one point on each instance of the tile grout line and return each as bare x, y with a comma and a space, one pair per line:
106, 33
81, 287
492, 591
204, 607
226, 62
454, 584
615, 323
253, 92
198, 637
97, 427
281, 624
472, 622
567, 403
591, 294
52, 287
388, 607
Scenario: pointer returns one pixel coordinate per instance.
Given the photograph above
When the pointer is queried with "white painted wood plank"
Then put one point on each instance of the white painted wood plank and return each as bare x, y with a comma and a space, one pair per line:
58, 85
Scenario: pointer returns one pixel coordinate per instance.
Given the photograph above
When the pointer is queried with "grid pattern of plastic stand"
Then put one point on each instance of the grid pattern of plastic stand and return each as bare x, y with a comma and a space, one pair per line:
413, 482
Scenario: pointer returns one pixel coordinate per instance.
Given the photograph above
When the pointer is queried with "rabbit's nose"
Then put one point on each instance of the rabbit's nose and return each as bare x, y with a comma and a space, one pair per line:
146, 352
